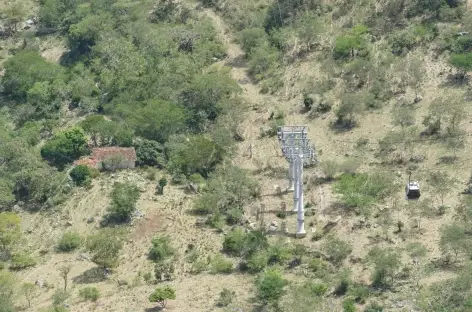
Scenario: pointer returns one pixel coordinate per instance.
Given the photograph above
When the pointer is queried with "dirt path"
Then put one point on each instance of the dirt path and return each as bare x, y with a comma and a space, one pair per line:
259, 105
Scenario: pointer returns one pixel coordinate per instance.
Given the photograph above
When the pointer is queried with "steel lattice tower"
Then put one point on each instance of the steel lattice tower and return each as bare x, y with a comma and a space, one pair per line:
298, 152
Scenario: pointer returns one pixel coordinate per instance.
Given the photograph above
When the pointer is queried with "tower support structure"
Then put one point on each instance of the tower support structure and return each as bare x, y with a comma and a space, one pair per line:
298, 152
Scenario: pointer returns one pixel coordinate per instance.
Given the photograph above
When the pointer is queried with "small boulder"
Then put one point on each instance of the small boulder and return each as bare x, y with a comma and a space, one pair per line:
91, 220
69, 223
272, 229
40, 283
274, 223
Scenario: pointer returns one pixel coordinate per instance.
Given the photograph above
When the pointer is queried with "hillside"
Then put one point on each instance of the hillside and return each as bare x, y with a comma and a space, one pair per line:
198, 89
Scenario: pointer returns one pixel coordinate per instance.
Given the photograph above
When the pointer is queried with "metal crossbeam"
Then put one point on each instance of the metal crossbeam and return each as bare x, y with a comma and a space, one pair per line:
285, 132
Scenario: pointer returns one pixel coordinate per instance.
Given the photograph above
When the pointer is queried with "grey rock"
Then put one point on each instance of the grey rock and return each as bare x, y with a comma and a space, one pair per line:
40, 283
69, 223
83, 257
272, 229
91, 220
274, 223
200, 222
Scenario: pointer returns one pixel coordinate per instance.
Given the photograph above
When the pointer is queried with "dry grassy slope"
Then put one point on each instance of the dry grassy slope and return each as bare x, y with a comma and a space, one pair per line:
167, 214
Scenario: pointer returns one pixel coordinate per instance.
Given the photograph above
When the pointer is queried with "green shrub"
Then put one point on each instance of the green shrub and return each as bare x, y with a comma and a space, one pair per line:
123, 202
343, 283
150, 153
69, 242
151, 174
252, 37
319, 289
360, 293
65, 147
161, 249
221, 265
374, 307
234, 242
319, 267
258, 261
362, 190
89, 293
336, 249
278, 254
81, 175
463, 62
21, 261
226, 297
164, 270
270, 287
199, 266
349, 305
162, 294
60, 296
114, 162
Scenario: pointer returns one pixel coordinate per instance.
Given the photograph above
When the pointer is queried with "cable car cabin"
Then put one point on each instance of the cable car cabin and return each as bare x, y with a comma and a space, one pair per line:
412, 190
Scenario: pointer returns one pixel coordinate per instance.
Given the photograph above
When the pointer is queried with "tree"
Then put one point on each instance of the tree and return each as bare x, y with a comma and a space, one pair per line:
386, 263
270, 287
197, 154
162, 184
309, 29
403, 116
336, 249
29, 290
150, 153
162, 294
81, 175
15, 12
124, 197
416, 71
158, 120
64, 272
454, 239
164, 270
105, 247
206, 96
7, 291
65, 147
23, 70
442, 184
285, 12
351, 105
250, 38
10, 232
349, 45
161, 249
44, 98
107, 132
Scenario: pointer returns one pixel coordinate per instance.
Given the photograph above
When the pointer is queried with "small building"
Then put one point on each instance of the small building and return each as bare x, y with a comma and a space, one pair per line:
113, 157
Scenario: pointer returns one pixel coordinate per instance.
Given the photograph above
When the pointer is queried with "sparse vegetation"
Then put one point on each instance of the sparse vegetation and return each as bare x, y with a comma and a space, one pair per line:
69, 242
89, 293
198, 89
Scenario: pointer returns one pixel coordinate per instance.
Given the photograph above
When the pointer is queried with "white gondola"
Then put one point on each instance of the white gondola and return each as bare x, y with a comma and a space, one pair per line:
412, 190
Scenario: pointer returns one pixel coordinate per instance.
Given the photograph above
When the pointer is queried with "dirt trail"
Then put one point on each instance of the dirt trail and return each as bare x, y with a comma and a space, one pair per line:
262, 104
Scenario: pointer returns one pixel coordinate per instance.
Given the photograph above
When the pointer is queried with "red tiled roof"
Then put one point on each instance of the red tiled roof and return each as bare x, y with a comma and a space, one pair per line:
99, 154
